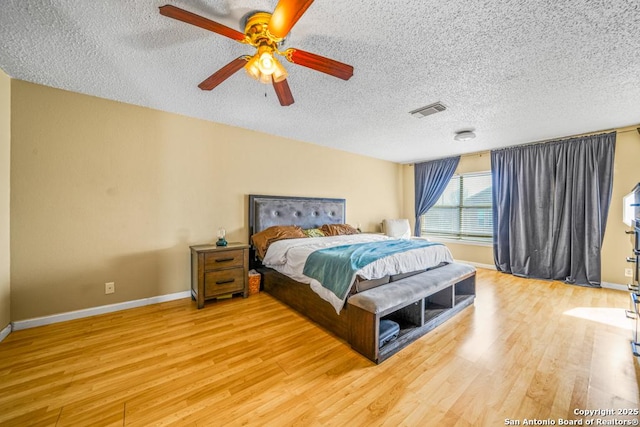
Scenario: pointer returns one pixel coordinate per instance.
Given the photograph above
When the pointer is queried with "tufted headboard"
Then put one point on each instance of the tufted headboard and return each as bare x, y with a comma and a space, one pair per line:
307, 212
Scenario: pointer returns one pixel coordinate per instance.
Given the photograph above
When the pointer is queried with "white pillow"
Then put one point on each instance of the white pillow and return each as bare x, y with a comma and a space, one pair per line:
397, 228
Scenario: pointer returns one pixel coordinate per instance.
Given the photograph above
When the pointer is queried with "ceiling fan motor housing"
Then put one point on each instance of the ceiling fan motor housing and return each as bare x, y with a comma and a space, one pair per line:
257, 33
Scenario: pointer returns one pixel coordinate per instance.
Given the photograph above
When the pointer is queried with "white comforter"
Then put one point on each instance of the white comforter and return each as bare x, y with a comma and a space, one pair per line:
289, 256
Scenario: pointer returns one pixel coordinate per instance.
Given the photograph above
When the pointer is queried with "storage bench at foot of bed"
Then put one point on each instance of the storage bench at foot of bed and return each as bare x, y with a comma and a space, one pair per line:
417, 303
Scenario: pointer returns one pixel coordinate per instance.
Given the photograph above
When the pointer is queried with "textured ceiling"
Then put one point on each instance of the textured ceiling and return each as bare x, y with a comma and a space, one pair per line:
514, 71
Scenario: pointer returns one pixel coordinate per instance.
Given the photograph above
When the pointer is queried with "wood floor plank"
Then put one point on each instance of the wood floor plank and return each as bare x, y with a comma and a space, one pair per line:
526, 349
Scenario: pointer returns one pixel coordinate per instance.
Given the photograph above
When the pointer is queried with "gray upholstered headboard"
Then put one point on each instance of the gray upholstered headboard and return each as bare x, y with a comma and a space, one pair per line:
306, 212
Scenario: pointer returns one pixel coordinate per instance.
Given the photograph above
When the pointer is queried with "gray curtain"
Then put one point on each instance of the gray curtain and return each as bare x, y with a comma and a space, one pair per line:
431, 179
550, 206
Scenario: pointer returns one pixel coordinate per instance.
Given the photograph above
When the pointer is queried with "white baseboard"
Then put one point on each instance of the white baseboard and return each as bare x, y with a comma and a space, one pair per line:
616, 286
477, 264
5, 332
78, 314
608, 285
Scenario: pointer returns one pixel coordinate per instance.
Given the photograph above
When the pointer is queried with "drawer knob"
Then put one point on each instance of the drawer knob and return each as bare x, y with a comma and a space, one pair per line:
222, 282
224, 260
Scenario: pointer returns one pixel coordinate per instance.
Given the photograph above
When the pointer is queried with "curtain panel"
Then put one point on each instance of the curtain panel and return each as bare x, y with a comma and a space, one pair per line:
431, 179
550, 207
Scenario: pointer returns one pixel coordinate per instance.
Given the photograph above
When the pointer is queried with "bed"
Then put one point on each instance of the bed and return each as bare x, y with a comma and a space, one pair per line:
378, 284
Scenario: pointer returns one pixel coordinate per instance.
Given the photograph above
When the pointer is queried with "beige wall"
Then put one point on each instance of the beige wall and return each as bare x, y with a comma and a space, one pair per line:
616, 243
626, 174
5, 154
104, 191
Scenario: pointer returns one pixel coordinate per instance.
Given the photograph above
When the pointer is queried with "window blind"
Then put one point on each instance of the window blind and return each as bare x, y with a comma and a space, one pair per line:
464, 211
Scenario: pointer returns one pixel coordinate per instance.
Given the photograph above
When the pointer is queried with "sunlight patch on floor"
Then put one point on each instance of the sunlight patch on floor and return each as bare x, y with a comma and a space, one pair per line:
605, 315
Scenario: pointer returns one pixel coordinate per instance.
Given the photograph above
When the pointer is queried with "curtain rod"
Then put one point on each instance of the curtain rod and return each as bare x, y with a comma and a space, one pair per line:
624, 129
628, 129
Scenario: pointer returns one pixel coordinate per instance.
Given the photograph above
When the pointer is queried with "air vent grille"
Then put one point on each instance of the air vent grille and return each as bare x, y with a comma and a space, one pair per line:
428, 110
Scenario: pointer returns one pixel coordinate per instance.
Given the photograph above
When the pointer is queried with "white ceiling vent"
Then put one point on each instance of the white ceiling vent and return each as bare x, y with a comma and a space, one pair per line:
428, 110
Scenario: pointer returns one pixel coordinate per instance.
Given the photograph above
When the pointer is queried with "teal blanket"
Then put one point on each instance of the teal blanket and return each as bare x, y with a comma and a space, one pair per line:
335, 268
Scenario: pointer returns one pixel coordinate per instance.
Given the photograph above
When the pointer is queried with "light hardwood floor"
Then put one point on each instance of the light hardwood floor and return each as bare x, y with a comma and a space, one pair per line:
527, 349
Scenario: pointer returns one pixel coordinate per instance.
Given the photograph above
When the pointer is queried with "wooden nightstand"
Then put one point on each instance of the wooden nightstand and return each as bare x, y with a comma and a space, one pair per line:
219, 270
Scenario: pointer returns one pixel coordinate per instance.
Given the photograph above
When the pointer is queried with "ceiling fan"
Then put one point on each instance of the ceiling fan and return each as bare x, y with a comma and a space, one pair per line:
264, 31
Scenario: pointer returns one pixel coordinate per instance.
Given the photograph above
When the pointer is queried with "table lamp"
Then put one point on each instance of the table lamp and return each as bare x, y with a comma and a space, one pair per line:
221, 237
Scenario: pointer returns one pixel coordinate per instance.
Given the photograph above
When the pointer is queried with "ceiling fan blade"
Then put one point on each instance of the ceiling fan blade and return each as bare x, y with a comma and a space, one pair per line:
285, 15
284, 92
319, 63
199, 21
223, 73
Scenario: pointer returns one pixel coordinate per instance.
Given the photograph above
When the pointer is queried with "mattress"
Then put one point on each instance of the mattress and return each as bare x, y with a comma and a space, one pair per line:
289, 257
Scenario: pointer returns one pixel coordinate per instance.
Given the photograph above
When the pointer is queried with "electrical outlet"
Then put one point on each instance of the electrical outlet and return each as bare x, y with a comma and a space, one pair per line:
109, 287
628, 272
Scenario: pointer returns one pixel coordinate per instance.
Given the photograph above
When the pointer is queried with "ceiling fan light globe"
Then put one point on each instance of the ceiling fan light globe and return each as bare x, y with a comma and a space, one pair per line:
266, 63
265, 79
279, 73
279, 76
254, 71
252, 68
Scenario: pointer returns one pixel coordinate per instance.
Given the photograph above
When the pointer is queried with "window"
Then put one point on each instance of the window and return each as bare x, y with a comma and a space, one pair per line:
464, 211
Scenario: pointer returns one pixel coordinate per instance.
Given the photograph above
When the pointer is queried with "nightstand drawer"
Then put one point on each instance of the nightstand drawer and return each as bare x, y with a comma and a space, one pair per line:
223, 259
223, 282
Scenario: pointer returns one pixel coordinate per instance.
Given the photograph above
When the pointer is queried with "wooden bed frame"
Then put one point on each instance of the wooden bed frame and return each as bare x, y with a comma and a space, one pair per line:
356, 326
307, 212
